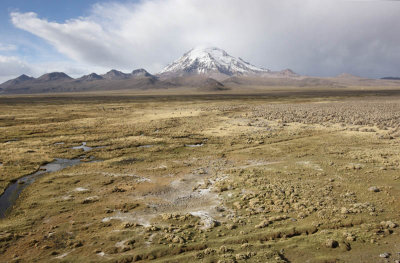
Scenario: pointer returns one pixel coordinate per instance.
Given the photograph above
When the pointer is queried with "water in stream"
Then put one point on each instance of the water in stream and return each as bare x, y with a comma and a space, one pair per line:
10, 195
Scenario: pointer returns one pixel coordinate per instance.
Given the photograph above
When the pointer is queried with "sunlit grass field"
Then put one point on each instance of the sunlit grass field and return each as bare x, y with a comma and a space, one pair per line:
263, 178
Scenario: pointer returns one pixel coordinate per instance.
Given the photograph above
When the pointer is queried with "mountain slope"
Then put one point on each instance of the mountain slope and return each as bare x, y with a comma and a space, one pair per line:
54, 76
115, 75
212, 62
61, 82
12, 82
141, 73
90, 77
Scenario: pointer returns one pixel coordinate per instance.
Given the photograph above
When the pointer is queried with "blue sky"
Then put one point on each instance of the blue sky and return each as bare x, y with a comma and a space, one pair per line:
25, 45
312, 37
54, 10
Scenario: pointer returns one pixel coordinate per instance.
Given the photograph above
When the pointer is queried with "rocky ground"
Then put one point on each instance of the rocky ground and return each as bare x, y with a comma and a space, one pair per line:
255, 180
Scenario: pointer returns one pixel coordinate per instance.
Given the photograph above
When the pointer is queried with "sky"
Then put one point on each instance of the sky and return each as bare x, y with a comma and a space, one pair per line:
311, 37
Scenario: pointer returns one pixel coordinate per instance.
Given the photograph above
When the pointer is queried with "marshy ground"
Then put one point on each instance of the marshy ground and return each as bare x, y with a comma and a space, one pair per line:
183, 179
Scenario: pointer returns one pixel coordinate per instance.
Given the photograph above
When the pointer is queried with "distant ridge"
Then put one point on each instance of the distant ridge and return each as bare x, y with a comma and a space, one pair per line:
61, 82
54, 76
347, 76
286, 73
391, 78
90, 77
115, 74
207, 69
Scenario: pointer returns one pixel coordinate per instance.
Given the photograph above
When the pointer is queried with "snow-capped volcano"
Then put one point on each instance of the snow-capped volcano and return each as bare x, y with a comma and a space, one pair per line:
210, 61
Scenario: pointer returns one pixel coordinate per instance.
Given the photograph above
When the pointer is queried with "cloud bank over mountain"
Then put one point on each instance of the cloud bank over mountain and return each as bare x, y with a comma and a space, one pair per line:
312, 37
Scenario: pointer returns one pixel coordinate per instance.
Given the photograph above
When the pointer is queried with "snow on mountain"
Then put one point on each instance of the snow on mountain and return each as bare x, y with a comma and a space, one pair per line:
210, 60
90, 77
141, 73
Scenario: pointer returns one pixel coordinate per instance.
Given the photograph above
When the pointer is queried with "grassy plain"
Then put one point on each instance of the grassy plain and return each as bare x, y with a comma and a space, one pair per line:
287, 177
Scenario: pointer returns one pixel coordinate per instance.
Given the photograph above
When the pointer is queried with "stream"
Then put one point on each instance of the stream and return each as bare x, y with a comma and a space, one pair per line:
13, 190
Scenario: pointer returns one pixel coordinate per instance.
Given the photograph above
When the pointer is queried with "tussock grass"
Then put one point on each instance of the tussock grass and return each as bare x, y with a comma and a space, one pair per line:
274, 180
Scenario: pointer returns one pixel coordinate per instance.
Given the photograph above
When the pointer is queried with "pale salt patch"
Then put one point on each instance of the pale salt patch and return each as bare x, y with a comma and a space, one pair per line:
254, 163
311, 165
204, 191
81, 189
119, 175
127, 218
91, 199
146, 146
143, 179
161, 167
67, 197
121, 243
150, 241
62, 255
101, 254
205, 218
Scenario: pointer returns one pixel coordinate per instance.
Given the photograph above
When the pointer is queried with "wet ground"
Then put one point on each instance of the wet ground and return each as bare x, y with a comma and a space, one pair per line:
12, 192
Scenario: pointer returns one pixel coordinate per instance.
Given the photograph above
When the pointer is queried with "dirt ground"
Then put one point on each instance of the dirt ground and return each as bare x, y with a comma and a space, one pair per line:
203, 179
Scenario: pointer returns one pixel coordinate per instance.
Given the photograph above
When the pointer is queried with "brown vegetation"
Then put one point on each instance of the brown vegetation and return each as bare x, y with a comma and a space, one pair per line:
259, 179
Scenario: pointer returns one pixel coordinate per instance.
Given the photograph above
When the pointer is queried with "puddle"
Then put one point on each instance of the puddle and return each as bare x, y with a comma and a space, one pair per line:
145, 146
194, 145
59, 143
12, 140
1, 164
86, 148
12, 192
83, 146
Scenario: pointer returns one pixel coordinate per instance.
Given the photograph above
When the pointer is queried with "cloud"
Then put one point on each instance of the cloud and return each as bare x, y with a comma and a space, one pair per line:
12, 66
315, 37
7, 47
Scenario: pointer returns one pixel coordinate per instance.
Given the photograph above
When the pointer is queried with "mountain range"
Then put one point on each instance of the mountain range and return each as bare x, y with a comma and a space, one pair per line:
205, 68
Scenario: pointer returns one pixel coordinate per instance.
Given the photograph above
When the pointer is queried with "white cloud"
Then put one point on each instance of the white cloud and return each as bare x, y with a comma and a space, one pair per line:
12, 66
318, 37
